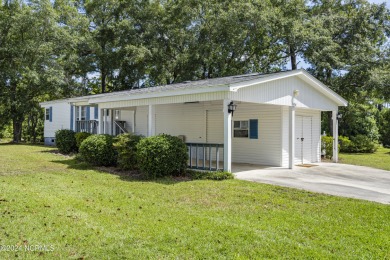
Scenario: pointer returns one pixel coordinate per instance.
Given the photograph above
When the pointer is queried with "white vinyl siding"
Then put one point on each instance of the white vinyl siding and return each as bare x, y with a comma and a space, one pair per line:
128, 117
279, 92
266, 149
203, 123
141, 120
60, 119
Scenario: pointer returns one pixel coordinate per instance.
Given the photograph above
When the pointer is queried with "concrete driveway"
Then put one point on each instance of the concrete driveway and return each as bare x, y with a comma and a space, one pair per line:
329, 178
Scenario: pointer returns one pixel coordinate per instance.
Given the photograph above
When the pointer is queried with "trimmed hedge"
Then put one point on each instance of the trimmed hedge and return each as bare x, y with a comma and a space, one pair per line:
66, 141
126, 147
162, 155
98, 150
80, 137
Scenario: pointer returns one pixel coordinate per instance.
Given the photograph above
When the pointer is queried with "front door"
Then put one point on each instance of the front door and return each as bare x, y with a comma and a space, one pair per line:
303, 139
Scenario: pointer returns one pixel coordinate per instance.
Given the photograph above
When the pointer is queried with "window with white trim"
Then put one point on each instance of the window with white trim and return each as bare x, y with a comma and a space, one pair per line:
241, 129
81, 113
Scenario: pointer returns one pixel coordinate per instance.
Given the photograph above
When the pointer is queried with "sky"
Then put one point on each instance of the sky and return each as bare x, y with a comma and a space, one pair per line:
379, 2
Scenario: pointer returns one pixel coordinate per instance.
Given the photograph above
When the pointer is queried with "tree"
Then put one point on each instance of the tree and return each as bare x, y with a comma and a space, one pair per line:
32, 49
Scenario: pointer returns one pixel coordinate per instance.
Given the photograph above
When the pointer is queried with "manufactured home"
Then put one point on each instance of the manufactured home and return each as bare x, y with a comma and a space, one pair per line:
261, 119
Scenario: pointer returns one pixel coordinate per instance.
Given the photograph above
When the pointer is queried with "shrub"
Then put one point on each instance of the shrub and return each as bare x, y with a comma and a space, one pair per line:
65, 141
126, 147
206, 175
344, 144
327, 146
362, 144
162, 155
80, 137
98, 150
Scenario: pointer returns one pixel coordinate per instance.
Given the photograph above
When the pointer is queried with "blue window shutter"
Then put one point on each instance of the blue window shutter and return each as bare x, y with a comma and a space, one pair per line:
96, 113
254, 129
88, 116
71, 116
51, 114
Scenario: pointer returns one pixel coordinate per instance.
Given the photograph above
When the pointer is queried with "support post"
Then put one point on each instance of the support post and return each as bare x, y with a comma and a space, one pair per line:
104, 121
227, 134
151, 120
133, 123
291, 139
335, 137
100, 122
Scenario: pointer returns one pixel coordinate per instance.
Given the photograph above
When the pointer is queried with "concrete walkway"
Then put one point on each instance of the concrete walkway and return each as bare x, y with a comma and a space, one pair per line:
329, 178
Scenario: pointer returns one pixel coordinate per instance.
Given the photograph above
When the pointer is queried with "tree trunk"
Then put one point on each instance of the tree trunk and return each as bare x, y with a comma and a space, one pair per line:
293, 57
17, 129
103, 81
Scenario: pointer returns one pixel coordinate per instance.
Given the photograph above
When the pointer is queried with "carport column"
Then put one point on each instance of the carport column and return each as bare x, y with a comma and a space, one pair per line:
100, 116
104, 121
335, 137
227, 137
291, 139
151, 120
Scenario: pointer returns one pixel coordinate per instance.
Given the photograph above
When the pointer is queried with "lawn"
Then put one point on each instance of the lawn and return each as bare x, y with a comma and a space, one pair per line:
380, 159
77, 212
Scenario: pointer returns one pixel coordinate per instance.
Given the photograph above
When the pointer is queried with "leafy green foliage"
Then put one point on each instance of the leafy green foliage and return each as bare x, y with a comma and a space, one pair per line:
66, 141
55, 49
34, 54
385, 127
359, 119
126, 146
344, 144
80, 137
206, 175
357, 144
327, 146
362, 144
162, 155
98, 150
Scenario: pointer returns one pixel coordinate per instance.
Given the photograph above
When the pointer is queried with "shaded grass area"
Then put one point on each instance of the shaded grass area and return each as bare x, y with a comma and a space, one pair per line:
49, 199
380, 159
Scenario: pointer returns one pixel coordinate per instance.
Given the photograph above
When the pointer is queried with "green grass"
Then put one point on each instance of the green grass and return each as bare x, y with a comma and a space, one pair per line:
49, 199
380, 159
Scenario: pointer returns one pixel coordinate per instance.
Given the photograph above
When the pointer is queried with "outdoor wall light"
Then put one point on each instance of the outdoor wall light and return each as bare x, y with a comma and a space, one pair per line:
232, 107
296, 92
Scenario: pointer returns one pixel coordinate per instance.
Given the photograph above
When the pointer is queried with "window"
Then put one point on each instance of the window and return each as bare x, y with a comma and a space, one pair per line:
246, 129
83, 115
241, 129
47, 114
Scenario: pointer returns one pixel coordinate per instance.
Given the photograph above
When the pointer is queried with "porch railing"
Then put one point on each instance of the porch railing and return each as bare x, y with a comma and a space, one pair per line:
205, 156
88, 126
120, 127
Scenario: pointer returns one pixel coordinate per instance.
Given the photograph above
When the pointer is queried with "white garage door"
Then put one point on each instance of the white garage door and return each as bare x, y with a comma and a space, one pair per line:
303, 140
